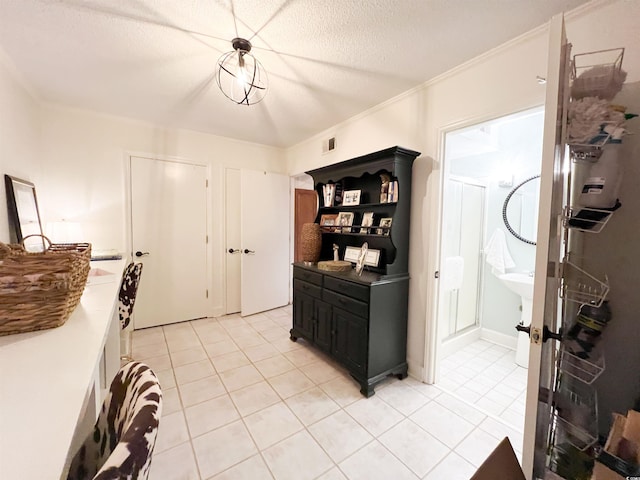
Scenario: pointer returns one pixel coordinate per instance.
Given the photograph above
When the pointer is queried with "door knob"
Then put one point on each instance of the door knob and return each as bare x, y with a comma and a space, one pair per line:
547, 334
141, 254
234, 250
246, 250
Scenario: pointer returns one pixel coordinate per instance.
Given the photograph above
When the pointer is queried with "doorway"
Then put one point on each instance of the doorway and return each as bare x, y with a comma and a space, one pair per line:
476, 311
169, 236
257, 241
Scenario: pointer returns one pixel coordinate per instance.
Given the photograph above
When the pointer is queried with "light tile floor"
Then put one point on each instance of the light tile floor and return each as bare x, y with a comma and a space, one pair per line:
242, 401
486, 375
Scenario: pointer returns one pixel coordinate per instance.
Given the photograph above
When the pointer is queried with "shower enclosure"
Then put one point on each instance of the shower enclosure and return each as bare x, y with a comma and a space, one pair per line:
461, 250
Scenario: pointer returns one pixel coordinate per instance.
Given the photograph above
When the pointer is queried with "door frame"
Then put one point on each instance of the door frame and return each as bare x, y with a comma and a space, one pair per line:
128, 230
430, 371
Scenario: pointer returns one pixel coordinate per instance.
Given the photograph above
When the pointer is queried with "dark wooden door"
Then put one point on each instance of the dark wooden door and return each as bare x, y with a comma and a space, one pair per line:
305, 208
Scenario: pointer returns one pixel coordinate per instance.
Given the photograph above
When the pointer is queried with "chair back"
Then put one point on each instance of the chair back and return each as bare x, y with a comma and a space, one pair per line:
124, 435
128, 292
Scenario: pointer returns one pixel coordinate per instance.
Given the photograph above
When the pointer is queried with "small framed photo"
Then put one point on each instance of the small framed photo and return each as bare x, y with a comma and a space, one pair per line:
344, 222
367, 221
351, 197
385, 224
328, 222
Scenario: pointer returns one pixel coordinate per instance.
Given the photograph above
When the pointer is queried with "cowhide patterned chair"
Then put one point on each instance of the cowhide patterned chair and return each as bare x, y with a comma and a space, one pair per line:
126, 300
123, 438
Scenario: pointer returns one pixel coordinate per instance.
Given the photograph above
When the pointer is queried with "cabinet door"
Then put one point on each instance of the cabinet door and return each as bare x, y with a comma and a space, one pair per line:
303, 314
323, 325
350, 340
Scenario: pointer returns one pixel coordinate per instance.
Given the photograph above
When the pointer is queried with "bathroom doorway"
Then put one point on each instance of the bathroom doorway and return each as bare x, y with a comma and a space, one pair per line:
477, 310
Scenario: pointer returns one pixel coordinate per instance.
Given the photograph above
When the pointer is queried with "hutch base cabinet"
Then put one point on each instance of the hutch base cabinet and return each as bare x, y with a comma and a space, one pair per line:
360, 320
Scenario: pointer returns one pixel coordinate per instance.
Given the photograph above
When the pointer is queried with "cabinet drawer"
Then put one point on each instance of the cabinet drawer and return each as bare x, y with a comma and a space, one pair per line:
307, 288
346, 303
350, 289
307, 276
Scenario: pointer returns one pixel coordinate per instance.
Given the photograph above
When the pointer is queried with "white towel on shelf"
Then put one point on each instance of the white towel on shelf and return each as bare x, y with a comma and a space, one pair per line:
497, 253
452, 273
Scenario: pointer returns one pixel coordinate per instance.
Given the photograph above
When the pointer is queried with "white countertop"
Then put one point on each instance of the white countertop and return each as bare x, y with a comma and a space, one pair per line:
46, 379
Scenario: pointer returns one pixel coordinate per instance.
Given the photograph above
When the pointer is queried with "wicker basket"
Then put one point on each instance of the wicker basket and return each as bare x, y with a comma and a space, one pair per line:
310, 242
40, 290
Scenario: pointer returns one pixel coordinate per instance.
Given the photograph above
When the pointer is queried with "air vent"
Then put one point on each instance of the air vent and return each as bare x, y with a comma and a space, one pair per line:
328, 145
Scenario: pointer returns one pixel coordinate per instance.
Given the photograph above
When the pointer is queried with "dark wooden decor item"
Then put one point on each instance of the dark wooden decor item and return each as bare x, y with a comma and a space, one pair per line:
361, 321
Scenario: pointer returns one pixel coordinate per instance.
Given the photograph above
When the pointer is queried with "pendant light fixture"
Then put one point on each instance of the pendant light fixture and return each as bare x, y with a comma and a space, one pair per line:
240, 76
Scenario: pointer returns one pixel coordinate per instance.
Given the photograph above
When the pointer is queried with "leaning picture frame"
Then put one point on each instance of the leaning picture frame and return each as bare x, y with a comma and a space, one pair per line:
328, 222
367, 221
384, 226
344, 222
23, 212
351, 197
372, 258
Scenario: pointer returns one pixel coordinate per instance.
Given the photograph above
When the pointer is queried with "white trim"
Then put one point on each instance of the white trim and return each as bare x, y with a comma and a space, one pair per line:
415, 370
502, 339
458, 341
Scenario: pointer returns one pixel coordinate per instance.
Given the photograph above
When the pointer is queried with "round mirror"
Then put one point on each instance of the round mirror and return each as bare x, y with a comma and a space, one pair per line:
520, 210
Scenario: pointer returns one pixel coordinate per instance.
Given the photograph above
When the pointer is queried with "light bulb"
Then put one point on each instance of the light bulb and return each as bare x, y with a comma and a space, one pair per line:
241, 74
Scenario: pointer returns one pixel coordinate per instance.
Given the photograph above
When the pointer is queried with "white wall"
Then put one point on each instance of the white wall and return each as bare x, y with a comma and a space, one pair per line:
19, 136
84, 174
498, 83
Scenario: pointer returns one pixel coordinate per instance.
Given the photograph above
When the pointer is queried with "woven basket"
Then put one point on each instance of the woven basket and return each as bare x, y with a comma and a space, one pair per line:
40, 290
310, 242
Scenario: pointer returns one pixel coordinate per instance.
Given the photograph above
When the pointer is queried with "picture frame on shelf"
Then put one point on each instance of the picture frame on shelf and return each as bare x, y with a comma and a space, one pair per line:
385, 224
328, 194
367, 221
371, 259
344, 222
351, 197
328, 222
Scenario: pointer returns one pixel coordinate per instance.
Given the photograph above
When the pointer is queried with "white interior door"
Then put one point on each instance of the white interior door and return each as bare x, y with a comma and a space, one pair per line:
549, 253
233, 241
265, 240
169, 229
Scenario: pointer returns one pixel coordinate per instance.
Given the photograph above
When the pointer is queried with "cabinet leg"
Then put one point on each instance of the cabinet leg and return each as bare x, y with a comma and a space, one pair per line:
367, 390
402, 376
292, 337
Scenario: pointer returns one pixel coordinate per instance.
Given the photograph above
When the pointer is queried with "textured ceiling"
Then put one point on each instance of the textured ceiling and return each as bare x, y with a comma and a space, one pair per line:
327, 60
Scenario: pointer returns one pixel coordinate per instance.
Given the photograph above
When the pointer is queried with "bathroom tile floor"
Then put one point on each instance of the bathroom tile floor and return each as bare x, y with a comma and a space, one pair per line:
486, 375
242, 401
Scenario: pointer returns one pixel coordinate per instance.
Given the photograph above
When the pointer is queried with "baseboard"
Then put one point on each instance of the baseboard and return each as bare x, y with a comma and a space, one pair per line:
461, 340
499, 338
415, 371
